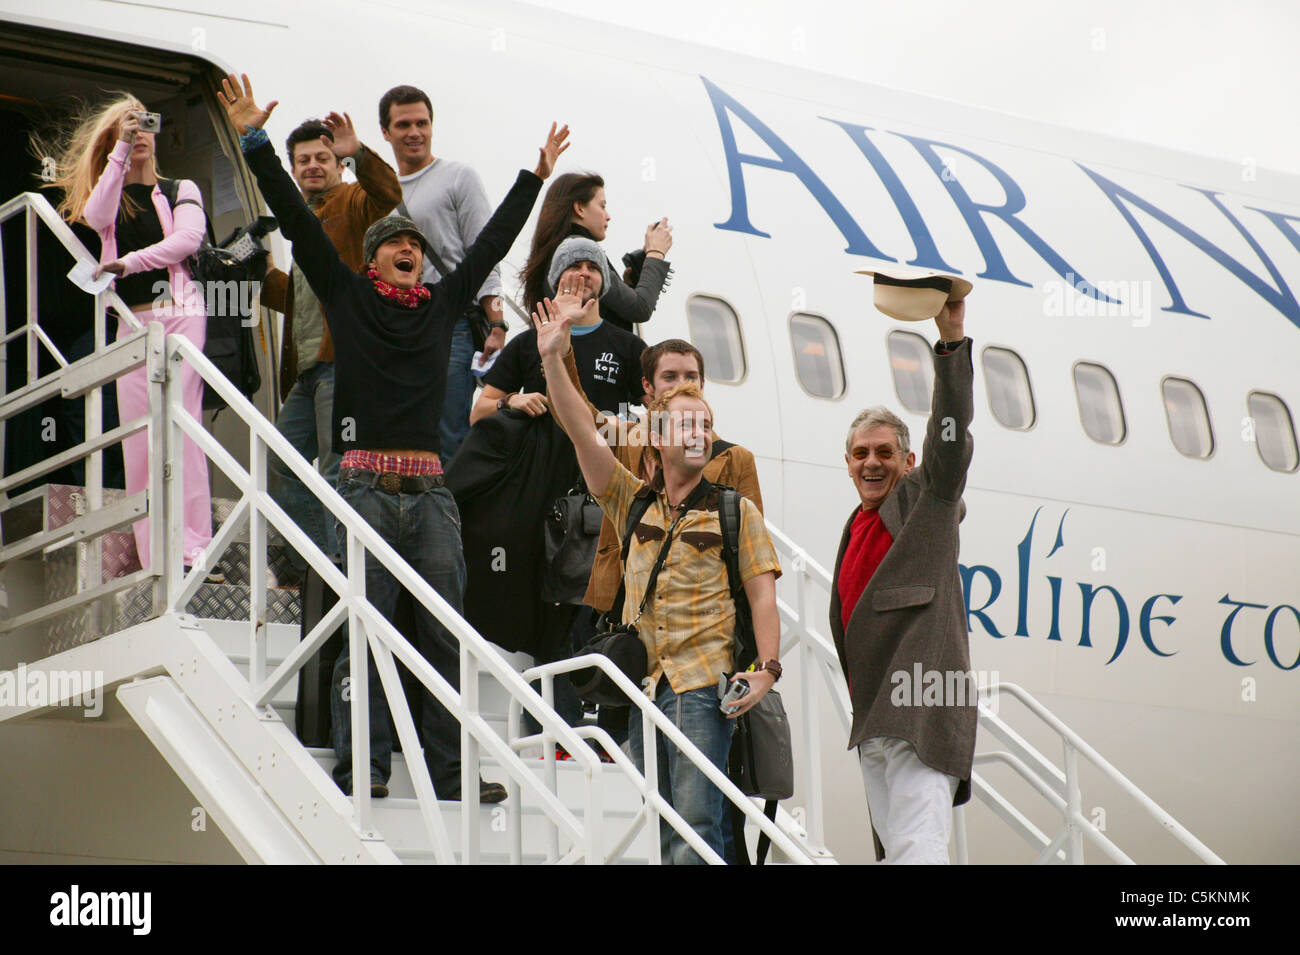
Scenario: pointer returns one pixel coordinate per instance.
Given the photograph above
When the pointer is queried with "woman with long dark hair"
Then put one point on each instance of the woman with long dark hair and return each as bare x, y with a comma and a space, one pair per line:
109, 176
575, 205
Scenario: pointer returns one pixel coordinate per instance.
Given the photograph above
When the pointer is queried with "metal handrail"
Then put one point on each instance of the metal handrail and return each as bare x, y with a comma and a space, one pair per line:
384, 640
169, 426
816, 656
368, 626
654, 720
1076, 746
37, 210
38, 206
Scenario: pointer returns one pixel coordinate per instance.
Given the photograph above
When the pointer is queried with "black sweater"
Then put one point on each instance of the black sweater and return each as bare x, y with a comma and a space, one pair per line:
390, 362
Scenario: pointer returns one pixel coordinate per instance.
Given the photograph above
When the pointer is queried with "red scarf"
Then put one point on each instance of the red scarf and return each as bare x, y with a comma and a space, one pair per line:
406, 297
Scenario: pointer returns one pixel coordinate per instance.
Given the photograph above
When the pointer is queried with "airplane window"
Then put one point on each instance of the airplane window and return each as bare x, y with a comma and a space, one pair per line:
817, 358
1274, 431
913, 367
1007, 381
1189, 420
715, 331
1100, 409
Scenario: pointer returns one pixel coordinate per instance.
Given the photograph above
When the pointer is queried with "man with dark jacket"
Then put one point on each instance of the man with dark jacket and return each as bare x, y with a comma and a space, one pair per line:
897, 608
393, 336
317, 150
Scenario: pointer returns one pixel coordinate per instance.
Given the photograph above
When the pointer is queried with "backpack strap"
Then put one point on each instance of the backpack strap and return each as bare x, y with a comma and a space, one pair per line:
640, 504
746, 650
729, 524
170, 189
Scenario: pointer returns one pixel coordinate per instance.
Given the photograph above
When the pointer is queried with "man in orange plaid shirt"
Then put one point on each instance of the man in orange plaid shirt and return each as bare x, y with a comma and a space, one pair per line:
688, 623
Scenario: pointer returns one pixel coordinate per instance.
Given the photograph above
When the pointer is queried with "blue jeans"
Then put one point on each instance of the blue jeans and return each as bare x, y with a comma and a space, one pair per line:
681, 782
460, 391
425, 530
306, 422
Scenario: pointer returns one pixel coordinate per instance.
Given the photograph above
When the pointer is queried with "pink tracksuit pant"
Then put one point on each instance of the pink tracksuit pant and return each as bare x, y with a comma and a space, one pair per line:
133, 403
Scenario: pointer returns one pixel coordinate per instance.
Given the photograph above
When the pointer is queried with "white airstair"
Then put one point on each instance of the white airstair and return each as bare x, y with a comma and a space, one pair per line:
213, 690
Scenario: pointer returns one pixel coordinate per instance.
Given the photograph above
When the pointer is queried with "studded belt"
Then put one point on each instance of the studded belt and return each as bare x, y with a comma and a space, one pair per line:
392, 483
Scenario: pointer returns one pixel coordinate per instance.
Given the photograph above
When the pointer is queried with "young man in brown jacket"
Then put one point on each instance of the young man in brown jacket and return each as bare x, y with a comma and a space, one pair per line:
318, 151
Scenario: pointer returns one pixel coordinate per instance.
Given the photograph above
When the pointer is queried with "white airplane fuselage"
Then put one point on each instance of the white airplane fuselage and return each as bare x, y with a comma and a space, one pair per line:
1150, 598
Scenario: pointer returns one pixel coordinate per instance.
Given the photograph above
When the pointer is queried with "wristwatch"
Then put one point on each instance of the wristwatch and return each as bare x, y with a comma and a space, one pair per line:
771, 666
498, 324
951, 346
503, 403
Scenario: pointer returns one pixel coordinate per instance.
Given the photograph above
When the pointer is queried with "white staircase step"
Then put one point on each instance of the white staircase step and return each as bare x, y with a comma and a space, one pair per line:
397, 817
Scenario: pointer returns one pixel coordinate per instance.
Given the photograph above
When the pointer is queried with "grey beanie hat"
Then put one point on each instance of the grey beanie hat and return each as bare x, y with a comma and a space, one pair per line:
576, 249
383, 229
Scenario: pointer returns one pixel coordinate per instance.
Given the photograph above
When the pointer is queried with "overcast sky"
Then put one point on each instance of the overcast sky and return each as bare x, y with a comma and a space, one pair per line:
1214, 78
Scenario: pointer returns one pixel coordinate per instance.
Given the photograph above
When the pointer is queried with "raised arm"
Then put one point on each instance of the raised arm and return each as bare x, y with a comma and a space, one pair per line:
313, 252
380, 190
275, 290
472, 212
635, 305
567, 402
494, 242
100, 212
948, 443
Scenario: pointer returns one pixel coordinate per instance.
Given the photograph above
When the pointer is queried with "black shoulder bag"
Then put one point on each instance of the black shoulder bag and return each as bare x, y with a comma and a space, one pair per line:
762, 758
571, 533
622, 642
227, 343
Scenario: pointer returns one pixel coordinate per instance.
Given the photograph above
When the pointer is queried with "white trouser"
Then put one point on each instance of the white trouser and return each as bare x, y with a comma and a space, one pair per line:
910, 803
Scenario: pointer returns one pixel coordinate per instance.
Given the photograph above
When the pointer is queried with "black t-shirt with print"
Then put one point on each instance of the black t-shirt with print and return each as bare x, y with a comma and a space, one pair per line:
608, 360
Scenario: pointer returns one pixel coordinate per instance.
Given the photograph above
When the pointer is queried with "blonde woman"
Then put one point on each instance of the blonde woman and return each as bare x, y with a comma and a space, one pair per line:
109, 177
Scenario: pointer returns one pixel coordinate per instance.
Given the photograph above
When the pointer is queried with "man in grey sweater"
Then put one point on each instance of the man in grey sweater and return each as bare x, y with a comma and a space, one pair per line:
447, 201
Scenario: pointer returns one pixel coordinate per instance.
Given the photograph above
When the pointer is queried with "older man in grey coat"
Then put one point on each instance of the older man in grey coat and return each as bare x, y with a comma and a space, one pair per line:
898, 614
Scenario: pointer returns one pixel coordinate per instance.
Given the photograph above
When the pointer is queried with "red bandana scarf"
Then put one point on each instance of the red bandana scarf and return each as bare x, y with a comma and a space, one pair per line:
406, 297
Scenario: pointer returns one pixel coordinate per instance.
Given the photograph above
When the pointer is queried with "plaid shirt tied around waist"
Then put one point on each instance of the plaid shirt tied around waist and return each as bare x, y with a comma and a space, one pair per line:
390, 463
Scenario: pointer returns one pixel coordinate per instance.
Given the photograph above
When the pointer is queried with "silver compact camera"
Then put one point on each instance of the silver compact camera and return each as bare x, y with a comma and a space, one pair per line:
150, 122
730, 696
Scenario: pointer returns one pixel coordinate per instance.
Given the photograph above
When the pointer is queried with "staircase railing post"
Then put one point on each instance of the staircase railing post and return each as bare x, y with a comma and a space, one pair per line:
650, 770
160, 562
256, 561
358, 688
1073, 805
33, 309
469, 759
815, 825
174, 477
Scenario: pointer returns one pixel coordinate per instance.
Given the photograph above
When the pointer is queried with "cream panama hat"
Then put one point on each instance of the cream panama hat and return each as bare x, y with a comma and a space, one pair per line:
912, 294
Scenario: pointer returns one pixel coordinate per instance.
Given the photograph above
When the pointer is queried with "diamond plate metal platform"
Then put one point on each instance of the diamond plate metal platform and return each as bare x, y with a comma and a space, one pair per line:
212, 601
54, 505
